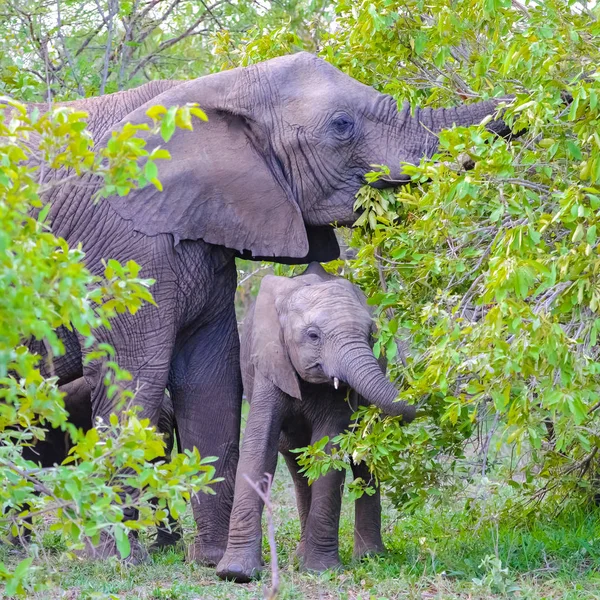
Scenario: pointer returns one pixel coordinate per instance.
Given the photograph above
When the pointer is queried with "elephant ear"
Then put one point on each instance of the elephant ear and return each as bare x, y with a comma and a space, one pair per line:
268, 351
223, 183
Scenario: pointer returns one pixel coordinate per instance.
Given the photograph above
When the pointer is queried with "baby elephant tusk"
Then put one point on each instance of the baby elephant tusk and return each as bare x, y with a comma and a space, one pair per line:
336, 383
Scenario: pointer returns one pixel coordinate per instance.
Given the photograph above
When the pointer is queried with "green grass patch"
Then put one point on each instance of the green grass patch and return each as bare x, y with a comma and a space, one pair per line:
432, 554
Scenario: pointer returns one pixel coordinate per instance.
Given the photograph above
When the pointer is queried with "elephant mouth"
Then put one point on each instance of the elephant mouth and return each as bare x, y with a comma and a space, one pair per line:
388, 182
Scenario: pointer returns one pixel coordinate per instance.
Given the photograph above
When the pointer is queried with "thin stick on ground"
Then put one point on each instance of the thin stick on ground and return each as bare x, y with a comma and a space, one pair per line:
263, 489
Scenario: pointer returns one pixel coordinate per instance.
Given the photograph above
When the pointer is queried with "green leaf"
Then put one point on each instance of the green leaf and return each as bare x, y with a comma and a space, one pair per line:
14, 585
574, 150
167, 126
122, 541
591, 235
154, 112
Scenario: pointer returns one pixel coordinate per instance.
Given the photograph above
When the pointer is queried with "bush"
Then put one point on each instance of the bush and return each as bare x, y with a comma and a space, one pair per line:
44, 284
486, 280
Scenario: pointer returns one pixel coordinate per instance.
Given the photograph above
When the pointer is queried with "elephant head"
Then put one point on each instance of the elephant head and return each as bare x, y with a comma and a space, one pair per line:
317, 328
285, 150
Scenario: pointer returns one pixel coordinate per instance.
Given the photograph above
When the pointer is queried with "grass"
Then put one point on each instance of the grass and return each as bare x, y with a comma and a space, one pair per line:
432, 554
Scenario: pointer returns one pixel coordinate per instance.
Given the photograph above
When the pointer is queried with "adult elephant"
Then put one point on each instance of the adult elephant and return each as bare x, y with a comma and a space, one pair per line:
54, 448
281, 158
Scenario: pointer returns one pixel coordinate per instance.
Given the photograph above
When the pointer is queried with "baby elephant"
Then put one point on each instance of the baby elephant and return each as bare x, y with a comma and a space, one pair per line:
304, 343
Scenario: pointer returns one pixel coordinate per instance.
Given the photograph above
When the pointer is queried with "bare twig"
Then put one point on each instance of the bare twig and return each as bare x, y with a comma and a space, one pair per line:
583, 465
488, 440
263, 489
172, 41
244, 279
538, 187
521, 8
126, 53
44, 49
113, 9
465, 301
66, 49
389, 312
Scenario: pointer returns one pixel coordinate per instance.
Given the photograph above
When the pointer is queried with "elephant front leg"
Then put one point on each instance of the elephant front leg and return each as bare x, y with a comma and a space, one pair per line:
207, 396
367, 517
242, 561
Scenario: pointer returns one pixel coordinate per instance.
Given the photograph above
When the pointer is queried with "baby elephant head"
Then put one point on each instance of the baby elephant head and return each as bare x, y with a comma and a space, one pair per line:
317, 328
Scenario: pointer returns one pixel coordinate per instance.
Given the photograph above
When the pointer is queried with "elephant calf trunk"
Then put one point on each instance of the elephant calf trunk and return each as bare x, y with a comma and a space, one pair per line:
363, 374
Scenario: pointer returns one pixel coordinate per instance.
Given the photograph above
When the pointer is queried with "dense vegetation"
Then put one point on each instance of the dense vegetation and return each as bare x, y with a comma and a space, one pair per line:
483, 273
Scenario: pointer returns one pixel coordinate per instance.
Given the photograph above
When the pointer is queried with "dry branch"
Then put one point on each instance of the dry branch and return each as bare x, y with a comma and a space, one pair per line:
263, 489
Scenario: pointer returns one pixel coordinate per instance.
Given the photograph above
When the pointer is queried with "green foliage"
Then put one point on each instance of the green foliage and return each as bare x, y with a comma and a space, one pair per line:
485, 280
44, 285
490, 273
496, 578
71, 48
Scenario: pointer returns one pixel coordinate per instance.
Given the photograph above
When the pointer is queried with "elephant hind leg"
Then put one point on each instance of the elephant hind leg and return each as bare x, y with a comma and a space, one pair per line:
46, 453
206, 388
170, 535
303, 497
367, 517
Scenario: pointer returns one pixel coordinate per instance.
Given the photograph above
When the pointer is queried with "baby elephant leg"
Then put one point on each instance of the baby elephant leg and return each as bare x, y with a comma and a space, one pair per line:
321, 549
303, 497
242, 561
367, 517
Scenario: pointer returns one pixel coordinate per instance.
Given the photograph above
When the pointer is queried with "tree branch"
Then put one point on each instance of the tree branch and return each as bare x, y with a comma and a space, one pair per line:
171, 42
66, 49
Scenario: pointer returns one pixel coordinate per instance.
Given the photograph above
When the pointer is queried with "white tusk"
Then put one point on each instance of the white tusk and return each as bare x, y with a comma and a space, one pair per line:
336, 383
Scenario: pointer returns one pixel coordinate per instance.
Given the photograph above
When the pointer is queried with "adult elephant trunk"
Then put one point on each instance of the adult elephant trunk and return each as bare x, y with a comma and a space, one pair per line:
423, 128
361, 371
465, 116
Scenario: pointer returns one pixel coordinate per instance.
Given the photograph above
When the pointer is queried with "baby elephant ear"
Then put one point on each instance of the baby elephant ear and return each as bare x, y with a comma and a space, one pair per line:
269, 353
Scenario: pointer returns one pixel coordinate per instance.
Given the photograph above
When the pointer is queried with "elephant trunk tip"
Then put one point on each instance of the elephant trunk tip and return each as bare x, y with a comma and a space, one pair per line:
408, 412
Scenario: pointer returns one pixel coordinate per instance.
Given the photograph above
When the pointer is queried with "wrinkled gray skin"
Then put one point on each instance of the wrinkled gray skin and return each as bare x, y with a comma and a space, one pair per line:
282, 156
302, 334
55, 448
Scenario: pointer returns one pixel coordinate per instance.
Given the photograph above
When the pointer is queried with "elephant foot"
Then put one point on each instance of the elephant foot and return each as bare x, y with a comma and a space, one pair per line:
318, 564
107, 547
205, 554
165, 539
300, 550
16, 546
239, 567
20, 541
364, 550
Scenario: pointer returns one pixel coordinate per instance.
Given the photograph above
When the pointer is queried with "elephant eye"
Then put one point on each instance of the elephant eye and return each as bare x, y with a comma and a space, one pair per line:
342, 125
313, 335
